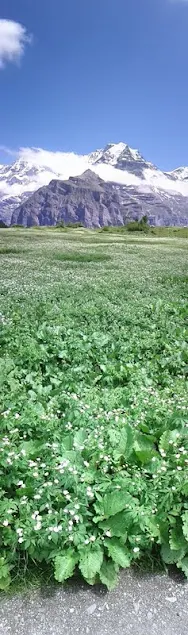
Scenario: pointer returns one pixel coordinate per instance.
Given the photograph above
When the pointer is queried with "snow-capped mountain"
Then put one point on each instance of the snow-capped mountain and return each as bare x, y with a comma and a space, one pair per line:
180, 174
121, 157
119, 164
94, 202
18, 181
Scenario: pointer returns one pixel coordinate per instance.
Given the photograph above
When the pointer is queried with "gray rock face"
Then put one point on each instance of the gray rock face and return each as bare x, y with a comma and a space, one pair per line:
94, 203
85, 199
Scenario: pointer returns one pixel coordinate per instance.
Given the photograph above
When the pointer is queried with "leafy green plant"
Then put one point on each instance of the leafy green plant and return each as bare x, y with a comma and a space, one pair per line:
94, 437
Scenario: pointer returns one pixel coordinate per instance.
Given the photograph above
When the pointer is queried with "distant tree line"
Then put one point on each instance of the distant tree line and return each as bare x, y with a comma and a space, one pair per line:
3, 225
141, 225
63, 225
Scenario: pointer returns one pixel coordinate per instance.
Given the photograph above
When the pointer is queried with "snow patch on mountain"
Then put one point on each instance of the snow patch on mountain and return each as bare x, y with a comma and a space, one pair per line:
180, 174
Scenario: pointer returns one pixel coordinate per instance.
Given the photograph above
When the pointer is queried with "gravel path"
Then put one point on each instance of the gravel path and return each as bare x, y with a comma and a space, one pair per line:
140, 605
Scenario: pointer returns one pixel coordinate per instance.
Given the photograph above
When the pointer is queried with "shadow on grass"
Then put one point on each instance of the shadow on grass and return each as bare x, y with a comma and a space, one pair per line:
79, 257
11, 250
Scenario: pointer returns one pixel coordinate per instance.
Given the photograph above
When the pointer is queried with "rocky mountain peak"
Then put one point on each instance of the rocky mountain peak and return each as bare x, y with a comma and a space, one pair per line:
116, 163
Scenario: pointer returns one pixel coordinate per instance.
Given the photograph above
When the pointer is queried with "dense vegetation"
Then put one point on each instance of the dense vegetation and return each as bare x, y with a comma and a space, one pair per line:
94, 435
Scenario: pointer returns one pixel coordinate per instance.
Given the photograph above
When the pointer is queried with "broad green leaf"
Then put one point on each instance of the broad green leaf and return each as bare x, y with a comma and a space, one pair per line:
70, 455
119, 553
177, 539
91, 581
117, 525
125, 445
185, 524
80, 437
114, 436
144, 448
184, 489
4, 568
91, 561
114, 502
152, 525
108, 575
5, 583
5, 578
183, 565
154, 466
67, 443
171, 556
65, 565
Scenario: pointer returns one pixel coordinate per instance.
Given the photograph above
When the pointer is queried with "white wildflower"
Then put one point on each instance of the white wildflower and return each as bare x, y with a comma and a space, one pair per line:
37, 527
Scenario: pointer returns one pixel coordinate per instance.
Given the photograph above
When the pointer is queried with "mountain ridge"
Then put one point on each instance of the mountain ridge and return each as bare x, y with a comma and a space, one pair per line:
90, 200
125, 167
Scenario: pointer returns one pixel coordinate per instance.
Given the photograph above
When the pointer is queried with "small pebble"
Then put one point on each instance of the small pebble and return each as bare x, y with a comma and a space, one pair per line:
91, 609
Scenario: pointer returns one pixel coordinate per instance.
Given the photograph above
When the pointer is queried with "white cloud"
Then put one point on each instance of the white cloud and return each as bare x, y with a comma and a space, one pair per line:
65, 164
13, 39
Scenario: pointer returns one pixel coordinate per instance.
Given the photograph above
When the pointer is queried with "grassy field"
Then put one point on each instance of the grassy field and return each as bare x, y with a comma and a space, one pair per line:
94, 435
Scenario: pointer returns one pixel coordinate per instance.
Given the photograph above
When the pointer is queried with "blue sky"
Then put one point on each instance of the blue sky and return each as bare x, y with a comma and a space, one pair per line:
98, 71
